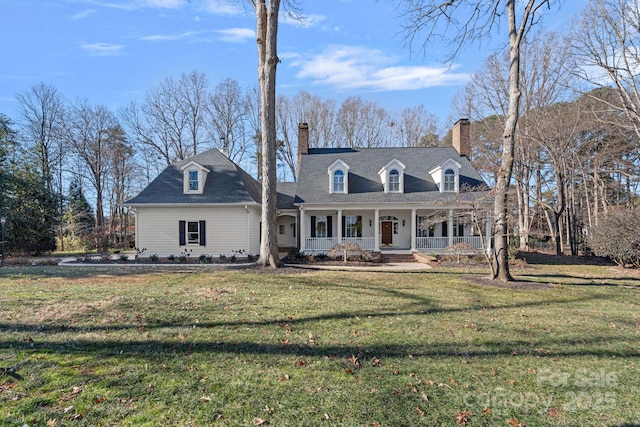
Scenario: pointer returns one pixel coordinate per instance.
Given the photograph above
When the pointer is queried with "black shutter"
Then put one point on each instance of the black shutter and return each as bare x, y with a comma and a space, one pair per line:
445, 229
182, 237
203, 234
313, 226
329, 227
344, 225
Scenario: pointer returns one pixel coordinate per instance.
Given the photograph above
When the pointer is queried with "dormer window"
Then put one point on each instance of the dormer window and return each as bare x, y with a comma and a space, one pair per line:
338, 177
449, 180
338, 181
193, 181
392, 176
194, 177
394, 181
447, 176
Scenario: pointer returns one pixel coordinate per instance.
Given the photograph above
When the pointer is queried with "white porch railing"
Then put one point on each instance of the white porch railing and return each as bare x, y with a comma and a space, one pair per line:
431, 242
324, 244
367, 243
319, 243
471, 241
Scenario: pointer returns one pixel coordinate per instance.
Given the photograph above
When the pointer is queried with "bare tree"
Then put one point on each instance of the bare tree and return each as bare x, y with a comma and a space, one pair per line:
267, 16
41, 116
605, 42
416, 127
228, 115
170, 119
363, 123
91, 131
472, 20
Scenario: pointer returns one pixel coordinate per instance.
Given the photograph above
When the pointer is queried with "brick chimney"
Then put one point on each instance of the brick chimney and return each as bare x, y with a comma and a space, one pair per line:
461, 137
303, 141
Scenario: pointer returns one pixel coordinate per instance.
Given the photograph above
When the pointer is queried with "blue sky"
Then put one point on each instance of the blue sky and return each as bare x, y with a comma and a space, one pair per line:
111, 51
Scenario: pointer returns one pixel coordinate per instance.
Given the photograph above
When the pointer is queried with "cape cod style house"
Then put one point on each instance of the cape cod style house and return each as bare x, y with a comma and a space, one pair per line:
401, 199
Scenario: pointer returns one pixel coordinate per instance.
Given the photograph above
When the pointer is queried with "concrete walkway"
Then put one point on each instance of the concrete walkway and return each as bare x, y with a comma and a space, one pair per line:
391, 267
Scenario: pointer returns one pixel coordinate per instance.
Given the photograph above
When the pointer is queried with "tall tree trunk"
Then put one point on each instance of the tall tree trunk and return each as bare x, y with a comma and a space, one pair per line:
267, 36
501, 255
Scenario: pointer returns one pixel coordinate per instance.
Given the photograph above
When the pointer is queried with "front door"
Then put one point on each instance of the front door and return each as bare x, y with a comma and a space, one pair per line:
387, 233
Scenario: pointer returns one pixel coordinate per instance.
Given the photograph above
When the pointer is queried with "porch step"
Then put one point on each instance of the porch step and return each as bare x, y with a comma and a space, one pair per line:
396, 258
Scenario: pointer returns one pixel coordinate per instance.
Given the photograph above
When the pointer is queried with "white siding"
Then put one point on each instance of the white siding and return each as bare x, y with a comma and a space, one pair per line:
228, 229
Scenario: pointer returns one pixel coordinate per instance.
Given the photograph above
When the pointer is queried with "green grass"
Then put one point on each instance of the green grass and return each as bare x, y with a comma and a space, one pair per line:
107, 346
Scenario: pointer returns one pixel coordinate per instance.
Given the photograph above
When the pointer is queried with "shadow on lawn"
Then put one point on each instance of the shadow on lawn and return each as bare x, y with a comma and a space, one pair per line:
584, 281
207, 339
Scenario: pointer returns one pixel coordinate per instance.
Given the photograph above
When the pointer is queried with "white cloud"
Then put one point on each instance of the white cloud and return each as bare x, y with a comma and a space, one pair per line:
139, 4
170, 37
236, 35
102, 49
222, 7
359, 68
83, 15
304, 21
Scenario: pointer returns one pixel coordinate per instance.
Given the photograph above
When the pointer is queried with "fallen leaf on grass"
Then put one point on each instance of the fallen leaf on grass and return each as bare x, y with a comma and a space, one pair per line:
354, 361
463, 417
258, 421
513, 422
486, 410
420, 411
51, 422
553, 412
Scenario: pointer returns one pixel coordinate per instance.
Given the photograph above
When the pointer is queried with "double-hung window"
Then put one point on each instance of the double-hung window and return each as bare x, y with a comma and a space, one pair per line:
394, 181
338, 181
353, 226
193, 181
449, 180
192, 233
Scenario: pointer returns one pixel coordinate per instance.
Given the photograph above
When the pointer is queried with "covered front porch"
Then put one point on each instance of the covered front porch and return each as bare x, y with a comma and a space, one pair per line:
378, 229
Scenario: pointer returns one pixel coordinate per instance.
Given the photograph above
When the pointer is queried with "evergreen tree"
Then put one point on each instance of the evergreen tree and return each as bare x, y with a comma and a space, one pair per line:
79, 218
26, 203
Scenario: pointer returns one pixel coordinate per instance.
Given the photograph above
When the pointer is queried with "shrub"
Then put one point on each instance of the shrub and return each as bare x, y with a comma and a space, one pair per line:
124, 257
171, 257
616, 237
205, 258
251, 258
154, 257
222, 258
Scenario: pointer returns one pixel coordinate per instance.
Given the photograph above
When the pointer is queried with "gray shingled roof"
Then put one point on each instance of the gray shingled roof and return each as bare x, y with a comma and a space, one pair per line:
226, 183
286, 195
364, 183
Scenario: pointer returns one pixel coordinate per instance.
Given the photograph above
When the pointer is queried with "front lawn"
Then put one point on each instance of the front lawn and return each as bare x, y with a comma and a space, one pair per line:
103, 346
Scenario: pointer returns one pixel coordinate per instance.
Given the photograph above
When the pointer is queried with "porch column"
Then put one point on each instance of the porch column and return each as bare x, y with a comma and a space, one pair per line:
413, 229
303, 230
339, 226
376, 231
450, 228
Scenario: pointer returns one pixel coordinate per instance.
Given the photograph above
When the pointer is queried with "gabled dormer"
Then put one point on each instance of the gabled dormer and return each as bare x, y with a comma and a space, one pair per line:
194, 176
447, 176
392, 176
338, 177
